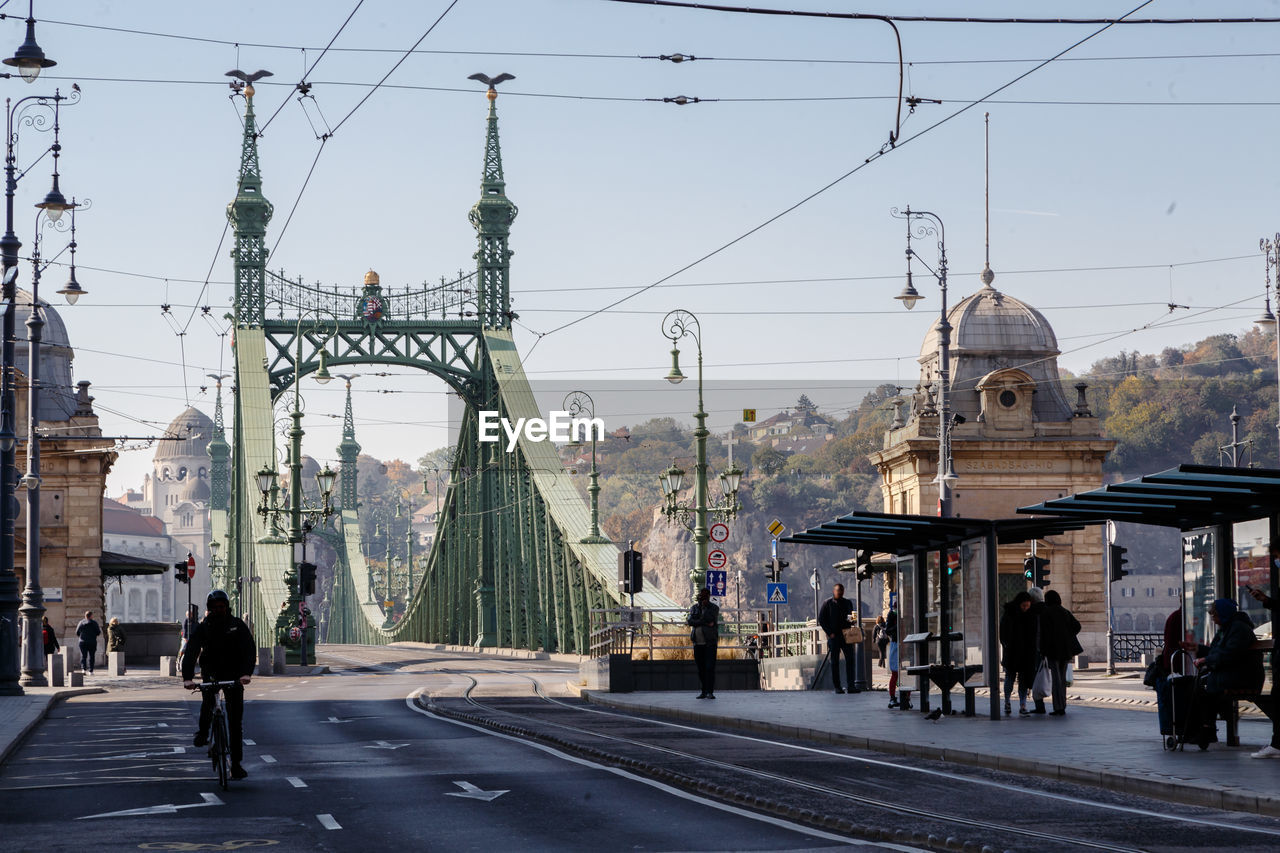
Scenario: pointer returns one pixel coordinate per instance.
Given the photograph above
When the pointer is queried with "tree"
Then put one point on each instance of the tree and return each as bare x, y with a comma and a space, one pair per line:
768, 461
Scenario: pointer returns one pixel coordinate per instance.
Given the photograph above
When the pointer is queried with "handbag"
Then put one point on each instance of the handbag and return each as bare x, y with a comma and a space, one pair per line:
853, 634
1071, 673
1042, 686
1154, 671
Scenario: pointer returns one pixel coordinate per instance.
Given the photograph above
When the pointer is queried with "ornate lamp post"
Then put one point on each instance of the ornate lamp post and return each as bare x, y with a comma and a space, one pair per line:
676, 325
32, 609
302, 517
1271, 252
29, 59
579, 404
926, 224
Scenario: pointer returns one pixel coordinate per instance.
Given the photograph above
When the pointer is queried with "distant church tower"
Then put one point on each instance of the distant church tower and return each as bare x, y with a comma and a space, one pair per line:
179, 492
1020, 443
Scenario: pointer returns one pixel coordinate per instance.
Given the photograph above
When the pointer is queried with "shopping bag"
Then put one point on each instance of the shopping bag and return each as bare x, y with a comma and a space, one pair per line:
1042, 686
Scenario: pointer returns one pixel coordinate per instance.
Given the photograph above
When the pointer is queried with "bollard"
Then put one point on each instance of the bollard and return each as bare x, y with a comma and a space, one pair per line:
76, 679
115, 663
904, 698
264, 662
277, 660
70, 658
57, 672
168, 665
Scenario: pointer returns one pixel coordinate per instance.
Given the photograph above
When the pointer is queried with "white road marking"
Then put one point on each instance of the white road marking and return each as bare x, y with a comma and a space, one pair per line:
267, 759
334, 720
295, 782
248, 742
471, 792
327, 821
382, 744
173, 750
167, 808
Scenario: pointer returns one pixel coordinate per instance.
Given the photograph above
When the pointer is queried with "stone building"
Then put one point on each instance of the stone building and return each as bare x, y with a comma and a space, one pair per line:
74, 462
1016, 440
155, 597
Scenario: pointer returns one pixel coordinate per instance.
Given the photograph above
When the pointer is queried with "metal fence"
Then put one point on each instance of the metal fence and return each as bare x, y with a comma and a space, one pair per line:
660, 634
1129, 648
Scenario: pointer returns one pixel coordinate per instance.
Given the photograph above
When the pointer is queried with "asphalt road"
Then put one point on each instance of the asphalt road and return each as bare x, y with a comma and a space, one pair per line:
340, 762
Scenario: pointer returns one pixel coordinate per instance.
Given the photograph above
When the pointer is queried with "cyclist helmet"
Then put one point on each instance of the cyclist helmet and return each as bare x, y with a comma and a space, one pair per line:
217, 595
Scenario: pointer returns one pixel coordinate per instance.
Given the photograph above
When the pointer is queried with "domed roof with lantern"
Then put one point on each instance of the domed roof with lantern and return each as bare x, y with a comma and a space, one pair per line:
57, 394
992, 331
187, 437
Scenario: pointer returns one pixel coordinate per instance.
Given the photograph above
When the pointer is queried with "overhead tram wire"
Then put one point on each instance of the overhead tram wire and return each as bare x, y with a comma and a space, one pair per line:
327, 136
873, 158
307, 73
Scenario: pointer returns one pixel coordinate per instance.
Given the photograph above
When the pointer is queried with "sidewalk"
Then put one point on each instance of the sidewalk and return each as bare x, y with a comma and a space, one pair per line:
20, 714
1109, 737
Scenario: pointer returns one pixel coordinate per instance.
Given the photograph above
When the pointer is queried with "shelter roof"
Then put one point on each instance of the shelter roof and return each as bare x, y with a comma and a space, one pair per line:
1185, 497
904, 534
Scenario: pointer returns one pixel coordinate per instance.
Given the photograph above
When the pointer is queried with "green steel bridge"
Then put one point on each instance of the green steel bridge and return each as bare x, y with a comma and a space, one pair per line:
513, 562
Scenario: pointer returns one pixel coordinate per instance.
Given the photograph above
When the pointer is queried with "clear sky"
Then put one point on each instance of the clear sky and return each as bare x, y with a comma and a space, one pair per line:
1135, 171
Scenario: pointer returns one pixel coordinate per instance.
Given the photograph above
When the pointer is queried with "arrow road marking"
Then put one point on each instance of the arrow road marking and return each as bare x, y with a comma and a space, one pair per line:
168, 808
382, 744
334, 720
471, 792
173, 750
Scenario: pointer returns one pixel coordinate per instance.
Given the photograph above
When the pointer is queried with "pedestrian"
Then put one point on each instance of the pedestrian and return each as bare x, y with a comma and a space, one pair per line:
704, 622
881, 638
49, 636
891, 629
1018, 656
1172, 644
88, 631
188, 628
115, 635
1037, 607
833, 618
1272, 750
1059, 644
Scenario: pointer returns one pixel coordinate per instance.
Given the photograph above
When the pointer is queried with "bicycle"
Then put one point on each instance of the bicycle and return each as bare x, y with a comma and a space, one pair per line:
219, 737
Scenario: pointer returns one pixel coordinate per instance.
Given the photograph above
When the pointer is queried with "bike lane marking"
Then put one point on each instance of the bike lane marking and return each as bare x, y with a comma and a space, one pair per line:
327, 821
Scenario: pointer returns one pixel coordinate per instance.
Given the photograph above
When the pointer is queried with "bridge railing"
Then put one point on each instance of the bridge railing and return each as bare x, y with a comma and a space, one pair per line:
659, 633
1129, 648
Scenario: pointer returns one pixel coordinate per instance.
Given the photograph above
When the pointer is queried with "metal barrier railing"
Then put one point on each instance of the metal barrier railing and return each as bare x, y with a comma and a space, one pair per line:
660, 634
1129, 648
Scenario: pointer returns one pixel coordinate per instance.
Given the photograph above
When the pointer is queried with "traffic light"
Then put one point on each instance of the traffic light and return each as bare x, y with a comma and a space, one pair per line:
1117, 561
180, 572
1035, 570
307, 578
631, 571
774, 568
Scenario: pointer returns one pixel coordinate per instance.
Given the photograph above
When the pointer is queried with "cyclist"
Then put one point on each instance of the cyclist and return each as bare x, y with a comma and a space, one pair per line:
225, 649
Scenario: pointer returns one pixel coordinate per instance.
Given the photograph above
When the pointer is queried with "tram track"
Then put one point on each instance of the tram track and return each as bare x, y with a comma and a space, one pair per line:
879, 817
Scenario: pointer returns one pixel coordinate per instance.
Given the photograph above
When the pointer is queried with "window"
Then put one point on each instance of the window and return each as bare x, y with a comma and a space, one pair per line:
1151, 592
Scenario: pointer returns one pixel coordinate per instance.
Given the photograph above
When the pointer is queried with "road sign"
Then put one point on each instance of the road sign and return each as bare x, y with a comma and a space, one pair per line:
718, 583
748, 416
775, 528
719, 531
717, 559
775, 593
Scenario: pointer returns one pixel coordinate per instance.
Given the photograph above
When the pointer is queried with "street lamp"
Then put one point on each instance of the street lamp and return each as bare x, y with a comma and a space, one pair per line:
33, 609
676, 325
16, 116
29, 59
926, 224
302, 517
579, 404
1271, 254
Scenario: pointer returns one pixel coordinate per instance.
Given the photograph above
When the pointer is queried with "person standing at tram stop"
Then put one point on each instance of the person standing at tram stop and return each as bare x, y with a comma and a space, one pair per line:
704, 622
1059, 644
891, 630
1018, 657
881, 638
833, 618
1272, 750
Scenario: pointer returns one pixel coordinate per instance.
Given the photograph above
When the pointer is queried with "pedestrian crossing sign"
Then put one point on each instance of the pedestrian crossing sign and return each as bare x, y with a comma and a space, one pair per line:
775, 593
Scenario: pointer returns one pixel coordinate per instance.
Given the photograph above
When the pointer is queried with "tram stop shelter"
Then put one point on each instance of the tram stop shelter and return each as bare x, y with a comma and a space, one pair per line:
946, 585
948, 613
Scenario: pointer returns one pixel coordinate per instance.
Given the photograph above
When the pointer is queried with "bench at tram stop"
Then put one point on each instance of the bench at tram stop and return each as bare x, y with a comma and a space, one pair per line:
941, 675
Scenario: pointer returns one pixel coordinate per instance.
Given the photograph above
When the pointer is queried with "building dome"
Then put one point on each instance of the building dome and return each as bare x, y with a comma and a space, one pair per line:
992, 331
196, 491
371, 278
57, 396
193, 430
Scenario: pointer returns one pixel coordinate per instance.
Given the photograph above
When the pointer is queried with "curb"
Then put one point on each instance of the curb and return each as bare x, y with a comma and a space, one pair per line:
1119, 780
12, 744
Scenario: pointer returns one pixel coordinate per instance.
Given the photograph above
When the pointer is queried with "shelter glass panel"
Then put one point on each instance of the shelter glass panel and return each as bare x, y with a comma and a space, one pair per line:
906, 606
1251, 545
932, 597
970, 615
1199, 559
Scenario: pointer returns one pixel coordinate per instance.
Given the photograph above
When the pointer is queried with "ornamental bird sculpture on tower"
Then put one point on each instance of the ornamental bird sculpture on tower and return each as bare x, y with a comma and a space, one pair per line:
247, 79
492, 81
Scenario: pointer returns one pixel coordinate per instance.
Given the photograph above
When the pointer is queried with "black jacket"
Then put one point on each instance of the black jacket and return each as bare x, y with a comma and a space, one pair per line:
1019, 638
1231, 661
834, 616
707, 618
224, 648
1058, 629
